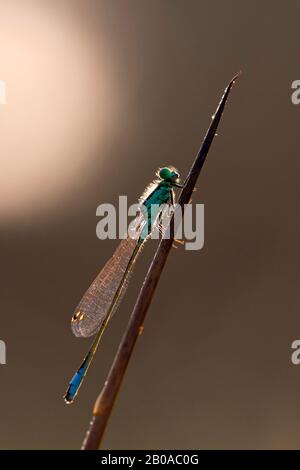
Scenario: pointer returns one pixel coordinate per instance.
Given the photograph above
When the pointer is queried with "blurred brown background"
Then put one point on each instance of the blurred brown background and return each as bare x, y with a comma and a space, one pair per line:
99, 94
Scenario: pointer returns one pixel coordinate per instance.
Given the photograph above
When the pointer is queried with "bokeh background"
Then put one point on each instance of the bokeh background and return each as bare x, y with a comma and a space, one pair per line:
99, 94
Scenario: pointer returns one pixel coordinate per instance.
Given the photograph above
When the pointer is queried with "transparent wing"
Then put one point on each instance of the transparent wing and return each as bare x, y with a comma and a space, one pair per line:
106, 290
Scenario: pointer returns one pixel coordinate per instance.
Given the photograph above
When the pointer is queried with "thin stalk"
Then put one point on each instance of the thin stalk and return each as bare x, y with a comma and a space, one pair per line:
106, 399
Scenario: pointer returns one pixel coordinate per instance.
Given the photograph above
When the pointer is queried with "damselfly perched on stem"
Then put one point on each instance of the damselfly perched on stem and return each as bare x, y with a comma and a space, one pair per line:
102, 298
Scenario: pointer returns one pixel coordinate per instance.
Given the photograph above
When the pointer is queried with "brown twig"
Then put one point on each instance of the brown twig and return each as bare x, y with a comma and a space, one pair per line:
105, 401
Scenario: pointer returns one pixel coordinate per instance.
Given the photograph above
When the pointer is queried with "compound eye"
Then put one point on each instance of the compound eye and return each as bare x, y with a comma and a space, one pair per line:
78, 316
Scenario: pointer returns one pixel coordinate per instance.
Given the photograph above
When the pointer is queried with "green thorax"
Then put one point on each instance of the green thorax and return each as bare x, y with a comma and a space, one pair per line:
161, 194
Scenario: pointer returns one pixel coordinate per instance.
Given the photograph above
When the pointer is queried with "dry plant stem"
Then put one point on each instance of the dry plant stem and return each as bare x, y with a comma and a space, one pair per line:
105, 401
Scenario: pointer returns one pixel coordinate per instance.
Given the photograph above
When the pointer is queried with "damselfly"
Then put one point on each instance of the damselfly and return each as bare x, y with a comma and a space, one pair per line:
102, 298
